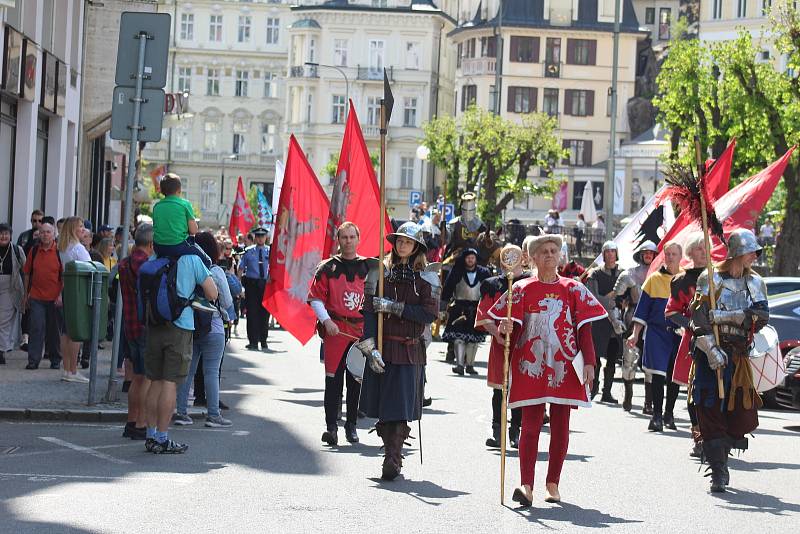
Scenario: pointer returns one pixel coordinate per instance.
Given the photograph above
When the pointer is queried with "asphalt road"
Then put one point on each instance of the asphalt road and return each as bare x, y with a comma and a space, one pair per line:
271, 473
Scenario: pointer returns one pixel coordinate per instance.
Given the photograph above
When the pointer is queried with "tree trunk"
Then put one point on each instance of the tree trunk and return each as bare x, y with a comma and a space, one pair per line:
488, 215
787, 253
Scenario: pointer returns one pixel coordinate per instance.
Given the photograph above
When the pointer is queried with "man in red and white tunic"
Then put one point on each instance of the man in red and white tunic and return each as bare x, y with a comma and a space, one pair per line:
552, 361
336, 296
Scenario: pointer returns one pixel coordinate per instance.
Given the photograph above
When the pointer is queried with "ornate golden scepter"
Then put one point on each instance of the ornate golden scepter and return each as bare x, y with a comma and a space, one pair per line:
510, 259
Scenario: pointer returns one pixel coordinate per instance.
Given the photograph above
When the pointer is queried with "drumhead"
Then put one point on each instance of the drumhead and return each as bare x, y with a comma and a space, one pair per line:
355, 362
764, 341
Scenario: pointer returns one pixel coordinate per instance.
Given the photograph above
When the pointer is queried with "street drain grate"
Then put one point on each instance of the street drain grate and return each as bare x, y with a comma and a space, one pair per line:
8, 450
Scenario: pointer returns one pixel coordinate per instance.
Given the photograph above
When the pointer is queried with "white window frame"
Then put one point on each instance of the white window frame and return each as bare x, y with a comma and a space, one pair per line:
741, 9
270, 85
273, 30
215, 28
185, 79
377, 55
269, 134
406, 172
410, 111
240, 86
716, 9
340, 47
373, 110
187, 26
413, 55
245, 25
182, 138
213, 81
208, 195
338, 109
211, 130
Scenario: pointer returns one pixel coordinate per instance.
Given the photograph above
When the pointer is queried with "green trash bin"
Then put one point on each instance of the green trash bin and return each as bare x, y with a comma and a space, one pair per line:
77, 298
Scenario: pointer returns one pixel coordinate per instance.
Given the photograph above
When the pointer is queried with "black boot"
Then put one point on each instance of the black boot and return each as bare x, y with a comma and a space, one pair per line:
656, 424
331, 437
608, 381
716, 453
471, 370
350, 433
450, 356
627, 402
2, 358
513, 436
494, 441
458, 369
669, 421
647, 409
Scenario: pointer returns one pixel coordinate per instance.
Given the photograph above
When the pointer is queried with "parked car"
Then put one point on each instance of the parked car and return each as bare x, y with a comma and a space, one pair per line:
784, 316
777, 285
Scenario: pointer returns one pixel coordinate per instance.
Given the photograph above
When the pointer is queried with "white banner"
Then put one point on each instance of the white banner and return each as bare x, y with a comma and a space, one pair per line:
619, 191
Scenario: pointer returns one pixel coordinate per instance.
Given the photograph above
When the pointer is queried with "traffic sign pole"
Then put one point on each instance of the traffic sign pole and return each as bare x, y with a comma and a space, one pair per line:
111, 392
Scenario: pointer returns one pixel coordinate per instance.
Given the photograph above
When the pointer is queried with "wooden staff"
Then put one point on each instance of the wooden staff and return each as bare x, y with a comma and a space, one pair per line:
510, 258
712, 295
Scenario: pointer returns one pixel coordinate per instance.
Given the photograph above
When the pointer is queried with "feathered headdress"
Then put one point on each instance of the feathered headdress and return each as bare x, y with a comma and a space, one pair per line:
685, 191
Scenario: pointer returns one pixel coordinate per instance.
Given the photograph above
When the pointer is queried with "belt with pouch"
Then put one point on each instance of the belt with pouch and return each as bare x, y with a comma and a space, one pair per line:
402, 340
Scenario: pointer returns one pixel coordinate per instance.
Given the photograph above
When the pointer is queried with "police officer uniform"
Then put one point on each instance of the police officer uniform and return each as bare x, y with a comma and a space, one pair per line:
254, 266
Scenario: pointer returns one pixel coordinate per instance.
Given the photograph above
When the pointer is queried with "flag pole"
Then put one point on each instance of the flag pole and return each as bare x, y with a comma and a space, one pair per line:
712, 295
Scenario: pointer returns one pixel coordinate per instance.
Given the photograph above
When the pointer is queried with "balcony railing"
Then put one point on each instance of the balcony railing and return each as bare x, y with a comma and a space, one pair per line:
303, 71
370, 73
371, 131
552, 69
478, 66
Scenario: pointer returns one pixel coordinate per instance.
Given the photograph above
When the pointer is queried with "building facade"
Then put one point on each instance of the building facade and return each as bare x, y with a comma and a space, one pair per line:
39, 107
229, 59
556, 59
658, 17
722, 20
338, 50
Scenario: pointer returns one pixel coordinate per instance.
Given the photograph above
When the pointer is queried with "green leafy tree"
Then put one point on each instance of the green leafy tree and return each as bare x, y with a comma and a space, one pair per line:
720, 91
333, 163
493, 156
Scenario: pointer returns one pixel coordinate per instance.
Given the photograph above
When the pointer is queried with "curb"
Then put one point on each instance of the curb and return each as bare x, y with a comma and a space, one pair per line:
75, 416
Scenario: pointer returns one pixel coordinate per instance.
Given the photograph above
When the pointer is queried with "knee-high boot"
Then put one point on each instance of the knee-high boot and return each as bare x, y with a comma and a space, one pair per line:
627, 402
647, 409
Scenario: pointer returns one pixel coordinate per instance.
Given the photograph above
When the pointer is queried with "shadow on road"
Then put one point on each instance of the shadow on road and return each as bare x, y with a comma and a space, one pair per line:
747, 501
570, 513
422, 490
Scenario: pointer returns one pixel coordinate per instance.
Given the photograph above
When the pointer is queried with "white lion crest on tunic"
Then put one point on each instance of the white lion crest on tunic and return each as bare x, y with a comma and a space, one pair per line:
541, 328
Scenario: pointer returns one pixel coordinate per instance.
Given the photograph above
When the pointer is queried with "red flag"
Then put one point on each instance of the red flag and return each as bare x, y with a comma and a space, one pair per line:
241, 215
356, 195
297, 248
741, 206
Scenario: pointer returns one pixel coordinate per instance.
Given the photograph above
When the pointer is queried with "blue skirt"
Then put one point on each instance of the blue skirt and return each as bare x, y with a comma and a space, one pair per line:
395, 395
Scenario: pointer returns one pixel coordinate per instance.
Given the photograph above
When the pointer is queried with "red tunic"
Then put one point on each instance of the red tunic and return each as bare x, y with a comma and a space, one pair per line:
682, 290
548, 353
339, 284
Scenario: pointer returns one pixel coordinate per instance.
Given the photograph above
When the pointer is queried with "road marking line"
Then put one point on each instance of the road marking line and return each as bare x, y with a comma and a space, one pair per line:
136, 478
98, 447
86, 450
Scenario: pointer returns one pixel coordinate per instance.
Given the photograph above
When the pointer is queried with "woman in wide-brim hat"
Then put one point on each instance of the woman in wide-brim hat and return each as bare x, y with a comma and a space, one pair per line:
393, 385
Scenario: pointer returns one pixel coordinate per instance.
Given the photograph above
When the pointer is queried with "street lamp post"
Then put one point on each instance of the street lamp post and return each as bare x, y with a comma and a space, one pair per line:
222, 181
346, 83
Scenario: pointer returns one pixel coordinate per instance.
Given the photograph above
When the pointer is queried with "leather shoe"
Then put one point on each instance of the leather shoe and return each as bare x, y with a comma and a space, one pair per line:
471, 370
427, 401
552, 493
250, 346
330, 437
55, 365
521, 497
669, 422
458, 369
350, 433
32, 366
656, 424
607, 398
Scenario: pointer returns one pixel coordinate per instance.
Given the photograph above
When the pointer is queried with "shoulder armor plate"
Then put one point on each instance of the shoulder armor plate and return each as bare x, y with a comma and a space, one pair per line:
757, 288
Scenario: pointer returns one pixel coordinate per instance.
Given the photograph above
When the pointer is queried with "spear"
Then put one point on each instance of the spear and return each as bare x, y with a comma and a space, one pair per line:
387, 103
712, 295
510, 258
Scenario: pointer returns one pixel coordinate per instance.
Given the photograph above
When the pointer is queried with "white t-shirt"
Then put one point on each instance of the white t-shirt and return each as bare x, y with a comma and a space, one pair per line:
75, 252
767, 230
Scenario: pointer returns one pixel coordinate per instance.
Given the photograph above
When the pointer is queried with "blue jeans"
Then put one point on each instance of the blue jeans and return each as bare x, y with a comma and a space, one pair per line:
45, 331
209, 347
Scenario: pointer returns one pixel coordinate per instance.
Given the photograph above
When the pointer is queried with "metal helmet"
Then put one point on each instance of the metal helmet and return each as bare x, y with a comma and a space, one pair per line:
412, 231
644, 247
742, 241
610, 245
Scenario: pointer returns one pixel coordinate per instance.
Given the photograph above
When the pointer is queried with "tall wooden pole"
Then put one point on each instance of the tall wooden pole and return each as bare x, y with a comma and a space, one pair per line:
382, 220
712, 294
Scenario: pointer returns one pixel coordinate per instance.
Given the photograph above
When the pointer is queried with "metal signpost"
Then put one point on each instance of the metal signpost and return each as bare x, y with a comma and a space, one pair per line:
136, 115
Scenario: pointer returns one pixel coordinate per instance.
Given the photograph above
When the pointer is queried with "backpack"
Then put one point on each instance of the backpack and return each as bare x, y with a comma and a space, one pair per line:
157, 298
234, 284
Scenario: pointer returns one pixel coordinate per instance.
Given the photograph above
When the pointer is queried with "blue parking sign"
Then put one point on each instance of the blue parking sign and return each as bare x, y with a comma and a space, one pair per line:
415, 197
449, 212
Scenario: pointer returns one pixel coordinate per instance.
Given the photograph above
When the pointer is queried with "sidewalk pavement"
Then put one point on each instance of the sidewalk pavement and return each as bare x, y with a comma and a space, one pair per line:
41, 394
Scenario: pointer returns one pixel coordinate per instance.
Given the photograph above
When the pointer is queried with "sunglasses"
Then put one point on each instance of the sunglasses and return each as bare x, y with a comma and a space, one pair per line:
36, 221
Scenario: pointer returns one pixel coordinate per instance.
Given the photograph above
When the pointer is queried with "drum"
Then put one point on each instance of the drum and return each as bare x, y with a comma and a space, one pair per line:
355, 362
766, 360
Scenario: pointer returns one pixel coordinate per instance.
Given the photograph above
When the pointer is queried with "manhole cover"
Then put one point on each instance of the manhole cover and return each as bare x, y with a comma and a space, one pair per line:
795, 428
8, 450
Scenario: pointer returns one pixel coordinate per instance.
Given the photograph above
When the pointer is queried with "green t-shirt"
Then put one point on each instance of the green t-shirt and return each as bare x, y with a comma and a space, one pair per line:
171, 216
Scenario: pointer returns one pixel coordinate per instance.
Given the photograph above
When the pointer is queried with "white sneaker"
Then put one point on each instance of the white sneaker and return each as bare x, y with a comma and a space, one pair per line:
65, 376
77, 377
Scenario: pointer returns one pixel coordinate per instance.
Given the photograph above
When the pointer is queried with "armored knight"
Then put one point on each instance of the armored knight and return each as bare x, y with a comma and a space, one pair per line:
741, 310
463, 230
462, 289
607, 342
627, 291
394, 379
